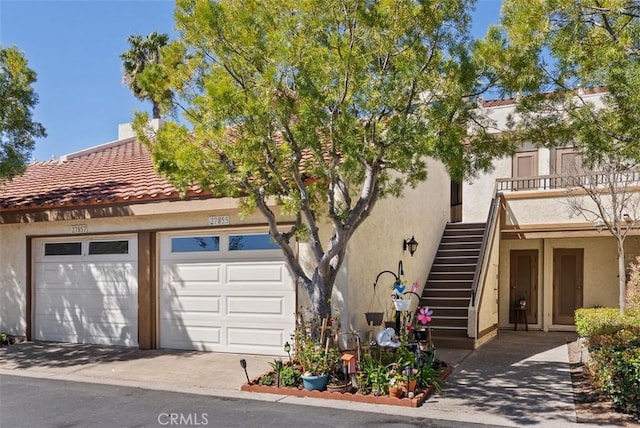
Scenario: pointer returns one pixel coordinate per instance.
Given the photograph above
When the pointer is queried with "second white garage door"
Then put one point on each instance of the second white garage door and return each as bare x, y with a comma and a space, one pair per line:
86, 290
226, 293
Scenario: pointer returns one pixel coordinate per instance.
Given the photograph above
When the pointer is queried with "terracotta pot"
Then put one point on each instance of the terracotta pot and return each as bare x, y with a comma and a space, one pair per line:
411, 387
395, 391
339, 388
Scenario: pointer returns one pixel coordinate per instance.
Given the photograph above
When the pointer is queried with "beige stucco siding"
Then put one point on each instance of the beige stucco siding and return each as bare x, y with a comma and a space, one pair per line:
488, 315
13, 253
478, 192
377, 245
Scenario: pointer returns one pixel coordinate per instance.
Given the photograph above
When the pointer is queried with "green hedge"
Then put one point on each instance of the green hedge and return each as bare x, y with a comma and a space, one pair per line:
614, 354
599, 321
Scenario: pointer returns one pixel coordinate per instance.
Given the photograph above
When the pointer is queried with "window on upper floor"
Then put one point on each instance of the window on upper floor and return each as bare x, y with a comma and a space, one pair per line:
567, 163
525, 166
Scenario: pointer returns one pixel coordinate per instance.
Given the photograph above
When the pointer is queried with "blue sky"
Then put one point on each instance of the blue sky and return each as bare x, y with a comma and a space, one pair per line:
74, 47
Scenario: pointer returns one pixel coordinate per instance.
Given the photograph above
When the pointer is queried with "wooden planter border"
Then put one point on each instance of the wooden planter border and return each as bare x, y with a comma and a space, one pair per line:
417, 401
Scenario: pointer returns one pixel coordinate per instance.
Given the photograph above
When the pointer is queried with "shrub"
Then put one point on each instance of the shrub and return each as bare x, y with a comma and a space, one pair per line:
615, 368
614, 351
632, 299
266, 380
603, 321
289, 376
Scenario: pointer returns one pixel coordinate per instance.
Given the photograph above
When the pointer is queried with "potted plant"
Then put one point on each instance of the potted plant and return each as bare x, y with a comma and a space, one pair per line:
317, 362
397, 381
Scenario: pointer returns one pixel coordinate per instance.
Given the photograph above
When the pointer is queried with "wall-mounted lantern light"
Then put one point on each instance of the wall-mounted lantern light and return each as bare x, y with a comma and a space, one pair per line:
410, 244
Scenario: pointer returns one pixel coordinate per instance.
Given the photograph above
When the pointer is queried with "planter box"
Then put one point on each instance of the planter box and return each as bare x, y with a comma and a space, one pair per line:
359, 398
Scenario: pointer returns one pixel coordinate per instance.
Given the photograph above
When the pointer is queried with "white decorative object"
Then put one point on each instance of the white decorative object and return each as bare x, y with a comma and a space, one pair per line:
385, 338
401, 305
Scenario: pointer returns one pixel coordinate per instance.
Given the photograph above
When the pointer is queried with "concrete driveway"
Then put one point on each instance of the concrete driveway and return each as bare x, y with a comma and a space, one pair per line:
517, 379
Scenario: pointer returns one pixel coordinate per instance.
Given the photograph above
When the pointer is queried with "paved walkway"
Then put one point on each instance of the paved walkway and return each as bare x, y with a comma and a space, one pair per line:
517, 379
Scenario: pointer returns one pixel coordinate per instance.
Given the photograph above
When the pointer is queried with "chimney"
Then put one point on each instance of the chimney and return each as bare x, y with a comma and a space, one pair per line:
125, 130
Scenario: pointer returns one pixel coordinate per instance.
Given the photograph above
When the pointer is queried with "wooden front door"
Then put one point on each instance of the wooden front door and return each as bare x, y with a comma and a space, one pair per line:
567, 284
523, 272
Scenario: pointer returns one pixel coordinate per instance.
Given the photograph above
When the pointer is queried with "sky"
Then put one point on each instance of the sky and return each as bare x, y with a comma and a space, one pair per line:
74, 47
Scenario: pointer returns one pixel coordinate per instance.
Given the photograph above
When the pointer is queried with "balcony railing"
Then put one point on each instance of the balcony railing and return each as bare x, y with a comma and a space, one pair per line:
551, 182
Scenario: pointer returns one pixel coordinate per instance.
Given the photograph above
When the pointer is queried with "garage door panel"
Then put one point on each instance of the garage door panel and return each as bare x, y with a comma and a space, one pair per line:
193, 273
251, 306
203, 334
202, 319
256, 273
264, 337
174, 304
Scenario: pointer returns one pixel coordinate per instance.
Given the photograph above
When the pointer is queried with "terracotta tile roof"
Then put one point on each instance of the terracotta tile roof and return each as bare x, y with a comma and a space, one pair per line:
501, 102
117, 172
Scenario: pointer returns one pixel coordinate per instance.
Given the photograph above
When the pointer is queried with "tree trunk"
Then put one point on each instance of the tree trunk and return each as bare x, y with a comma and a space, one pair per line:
156, 110
320, 295
622, 277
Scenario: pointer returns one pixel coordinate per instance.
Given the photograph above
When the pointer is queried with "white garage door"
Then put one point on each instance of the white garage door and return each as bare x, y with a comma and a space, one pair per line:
226, 293
86, 290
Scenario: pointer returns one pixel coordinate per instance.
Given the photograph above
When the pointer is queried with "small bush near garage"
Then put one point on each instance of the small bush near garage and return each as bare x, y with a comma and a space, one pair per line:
614, 354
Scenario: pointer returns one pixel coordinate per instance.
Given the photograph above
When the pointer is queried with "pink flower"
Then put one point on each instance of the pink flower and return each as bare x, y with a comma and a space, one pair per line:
424, 315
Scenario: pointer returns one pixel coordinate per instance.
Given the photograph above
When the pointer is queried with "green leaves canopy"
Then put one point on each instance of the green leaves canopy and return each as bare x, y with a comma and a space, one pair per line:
557, 51
322, 105
17, 99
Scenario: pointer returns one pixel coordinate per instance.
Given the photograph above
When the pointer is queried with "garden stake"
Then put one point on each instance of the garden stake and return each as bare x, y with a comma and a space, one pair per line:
278, 368
345, 372
287, 349
243, 364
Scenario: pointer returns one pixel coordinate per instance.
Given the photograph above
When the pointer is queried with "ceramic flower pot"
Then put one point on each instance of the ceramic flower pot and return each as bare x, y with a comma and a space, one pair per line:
395, 391
315, 383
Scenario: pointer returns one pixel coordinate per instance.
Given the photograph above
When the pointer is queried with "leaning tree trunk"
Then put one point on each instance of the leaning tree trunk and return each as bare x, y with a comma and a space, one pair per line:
622, 277
320, 296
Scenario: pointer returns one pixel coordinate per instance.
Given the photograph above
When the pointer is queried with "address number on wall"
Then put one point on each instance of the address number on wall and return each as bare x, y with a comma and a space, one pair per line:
79, 228
219, 220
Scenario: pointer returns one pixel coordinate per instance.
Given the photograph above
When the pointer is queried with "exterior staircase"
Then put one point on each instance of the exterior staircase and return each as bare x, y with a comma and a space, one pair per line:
449, 287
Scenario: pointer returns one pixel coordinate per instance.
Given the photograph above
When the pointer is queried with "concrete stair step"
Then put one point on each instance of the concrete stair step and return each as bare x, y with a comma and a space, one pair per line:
451, 276
464, 232
452, 293
448, 267
459, 246
466, 226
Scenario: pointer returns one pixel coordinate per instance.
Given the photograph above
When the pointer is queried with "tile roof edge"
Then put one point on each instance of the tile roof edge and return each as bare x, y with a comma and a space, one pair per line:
96, 149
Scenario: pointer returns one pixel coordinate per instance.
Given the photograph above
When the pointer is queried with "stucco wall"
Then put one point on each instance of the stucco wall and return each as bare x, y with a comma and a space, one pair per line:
488, 315
478, 192
12, 280
554, 208
377, 244
600, 273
